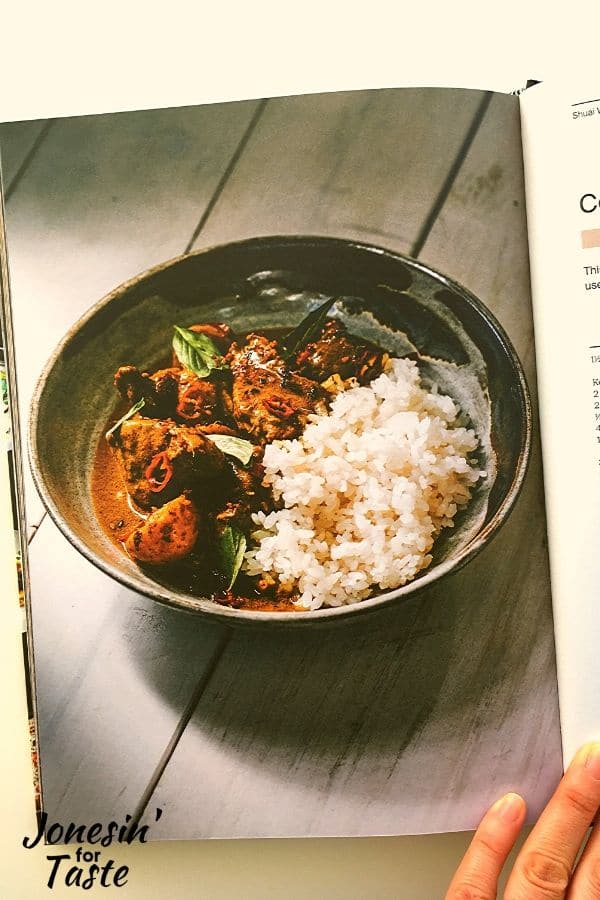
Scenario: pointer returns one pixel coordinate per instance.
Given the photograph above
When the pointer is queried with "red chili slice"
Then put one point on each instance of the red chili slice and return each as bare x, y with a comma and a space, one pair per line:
278, 407
159, 472
191, 399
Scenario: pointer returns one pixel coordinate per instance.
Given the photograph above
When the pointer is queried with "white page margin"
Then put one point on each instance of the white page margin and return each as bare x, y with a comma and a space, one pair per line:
561, 164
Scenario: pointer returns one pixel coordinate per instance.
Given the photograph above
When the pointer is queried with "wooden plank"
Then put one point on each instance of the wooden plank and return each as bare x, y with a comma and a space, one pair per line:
422, 718
490, 189
16, 141
485, 214
356, 164
114, 670
104, 198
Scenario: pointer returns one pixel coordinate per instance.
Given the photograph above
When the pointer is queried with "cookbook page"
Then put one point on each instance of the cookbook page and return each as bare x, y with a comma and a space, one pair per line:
561, 134
395, 637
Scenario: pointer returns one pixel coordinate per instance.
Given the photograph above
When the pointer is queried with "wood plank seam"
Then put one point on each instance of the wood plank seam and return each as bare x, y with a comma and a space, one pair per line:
227, 173
13, 184
182, 724
442, 196
35, 528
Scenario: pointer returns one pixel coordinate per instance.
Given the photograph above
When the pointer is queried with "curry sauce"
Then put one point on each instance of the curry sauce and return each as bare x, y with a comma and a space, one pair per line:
177, 479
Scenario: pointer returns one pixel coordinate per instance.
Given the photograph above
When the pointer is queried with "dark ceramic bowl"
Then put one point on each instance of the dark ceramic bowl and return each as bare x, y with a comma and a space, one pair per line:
265, 283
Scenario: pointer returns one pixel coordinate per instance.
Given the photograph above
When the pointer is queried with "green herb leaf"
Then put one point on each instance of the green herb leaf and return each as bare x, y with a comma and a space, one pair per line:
308, 328
233, 446
232, 547
196, 351
130, 412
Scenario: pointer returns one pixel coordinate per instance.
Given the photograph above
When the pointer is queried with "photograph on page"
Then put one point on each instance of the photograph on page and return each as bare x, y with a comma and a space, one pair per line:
286, 563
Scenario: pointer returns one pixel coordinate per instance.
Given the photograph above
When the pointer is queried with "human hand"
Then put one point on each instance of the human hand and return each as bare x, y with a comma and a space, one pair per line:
545, 867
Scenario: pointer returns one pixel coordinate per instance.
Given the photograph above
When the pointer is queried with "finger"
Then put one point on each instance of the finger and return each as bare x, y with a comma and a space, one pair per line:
586, 881
544, 865
477, 876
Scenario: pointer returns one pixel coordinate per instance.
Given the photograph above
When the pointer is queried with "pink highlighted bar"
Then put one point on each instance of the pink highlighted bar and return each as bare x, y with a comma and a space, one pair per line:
590, 238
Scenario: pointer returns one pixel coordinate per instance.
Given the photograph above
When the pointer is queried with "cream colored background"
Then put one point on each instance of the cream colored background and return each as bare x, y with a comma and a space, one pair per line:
65, 58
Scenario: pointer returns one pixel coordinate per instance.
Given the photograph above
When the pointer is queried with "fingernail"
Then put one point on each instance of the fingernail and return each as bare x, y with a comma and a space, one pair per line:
509, 808
592, 760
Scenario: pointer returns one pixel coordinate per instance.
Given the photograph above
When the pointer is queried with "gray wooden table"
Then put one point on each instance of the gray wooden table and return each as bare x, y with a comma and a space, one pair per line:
412, 724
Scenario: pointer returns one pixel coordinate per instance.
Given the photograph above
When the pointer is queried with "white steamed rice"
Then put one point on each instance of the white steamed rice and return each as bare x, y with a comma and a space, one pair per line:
365, 490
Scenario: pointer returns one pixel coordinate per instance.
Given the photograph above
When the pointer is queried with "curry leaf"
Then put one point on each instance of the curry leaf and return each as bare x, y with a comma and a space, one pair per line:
130, 412
233, 446
196, 351
232, 546
308, 328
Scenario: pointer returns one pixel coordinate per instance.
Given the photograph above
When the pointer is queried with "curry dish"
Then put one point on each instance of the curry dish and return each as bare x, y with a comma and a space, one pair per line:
178, 477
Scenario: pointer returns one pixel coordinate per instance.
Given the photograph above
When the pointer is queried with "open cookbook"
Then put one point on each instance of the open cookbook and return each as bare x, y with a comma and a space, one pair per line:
279, 413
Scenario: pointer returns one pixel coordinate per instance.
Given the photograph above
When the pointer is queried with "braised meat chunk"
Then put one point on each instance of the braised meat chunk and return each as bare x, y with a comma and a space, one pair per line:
336, 352
159, 396
198, 399
270, 402
174, 393
167, 535
159, 459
